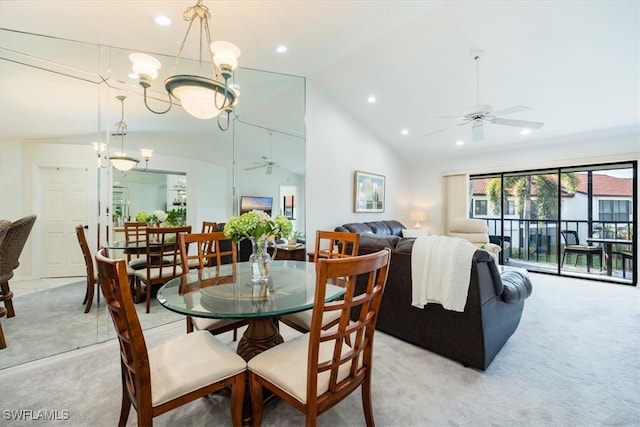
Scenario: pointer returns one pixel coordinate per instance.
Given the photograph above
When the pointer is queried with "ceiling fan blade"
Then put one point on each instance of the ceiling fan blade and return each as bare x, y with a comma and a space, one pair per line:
511, 110
517, 123
253, 167
466, 121
477, 131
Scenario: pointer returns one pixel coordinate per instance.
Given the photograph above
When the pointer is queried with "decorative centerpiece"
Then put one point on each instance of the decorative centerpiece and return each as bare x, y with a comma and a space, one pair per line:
261, 229
152, 220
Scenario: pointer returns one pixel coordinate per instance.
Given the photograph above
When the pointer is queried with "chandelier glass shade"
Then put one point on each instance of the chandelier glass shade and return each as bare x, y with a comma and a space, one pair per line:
202, 97
119, 159
123, 162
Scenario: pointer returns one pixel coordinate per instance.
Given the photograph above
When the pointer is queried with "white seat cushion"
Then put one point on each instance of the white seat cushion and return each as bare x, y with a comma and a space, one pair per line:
285, 365
303, 318
155, 273
188, 363
203, 324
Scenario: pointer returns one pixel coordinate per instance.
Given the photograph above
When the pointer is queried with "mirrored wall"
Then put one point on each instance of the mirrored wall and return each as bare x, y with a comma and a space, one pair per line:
59, 96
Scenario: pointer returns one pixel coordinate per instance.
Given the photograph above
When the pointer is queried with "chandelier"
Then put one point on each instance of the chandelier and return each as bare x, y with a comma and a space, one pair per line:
119, 159
202, 97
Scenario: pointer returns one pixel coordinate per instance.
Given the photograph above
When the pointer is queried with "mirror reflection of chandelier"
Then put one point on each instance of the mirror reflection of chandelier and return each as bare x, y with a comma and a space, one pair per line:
119, 159
202, 97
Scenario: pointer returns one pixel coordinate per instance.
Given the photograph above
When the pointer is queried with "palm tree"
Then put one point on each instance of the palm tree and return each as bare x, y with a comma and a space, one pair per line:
535, 195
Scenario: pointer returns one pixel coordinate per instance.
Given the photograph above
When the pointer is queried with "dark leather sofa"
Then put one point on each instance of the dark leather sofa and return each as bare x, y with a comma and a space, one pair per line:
474, 337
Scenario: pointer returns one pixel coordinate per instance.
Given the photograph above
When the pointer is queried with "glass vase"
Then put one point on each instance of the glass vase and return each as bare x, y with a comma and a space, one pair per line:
259, 260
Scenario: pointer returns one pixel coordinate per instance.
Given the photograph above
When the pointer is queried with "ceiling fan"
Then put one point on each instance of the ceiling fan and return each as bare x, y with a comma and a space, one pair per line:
479, 113
266, 163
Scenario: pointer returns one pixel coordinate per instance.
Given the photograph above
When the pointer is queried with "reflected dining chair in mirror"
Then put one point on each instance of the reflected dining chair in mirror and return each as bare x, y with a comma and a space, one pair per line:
4, 226
209, 226
10, 251
329, 245
165, 377
92, 276
200, 250
135, 234
315, 371
163, 259
573, 246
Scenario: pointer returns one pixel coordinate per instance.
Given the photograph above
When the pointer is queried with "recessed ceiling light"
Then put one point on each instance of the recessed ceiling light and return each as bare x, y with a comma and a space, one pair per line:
525, 131
281, 49
404, 132
459, 142
163, 21
371, 99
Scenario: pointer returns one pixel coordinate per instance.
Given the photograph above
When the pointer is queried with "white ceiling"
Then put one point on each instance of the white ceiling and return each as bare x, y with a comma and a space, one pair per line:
575, 63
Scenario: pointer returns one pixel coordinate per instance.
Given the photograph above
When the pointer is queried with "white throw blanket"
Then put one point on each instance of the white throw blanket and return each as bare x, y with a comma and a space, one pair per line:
440, 271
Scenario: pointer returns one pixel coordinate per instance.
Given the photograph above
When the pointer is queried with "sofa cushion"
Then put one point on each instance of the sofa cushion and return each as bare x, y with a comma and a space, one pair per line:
404, 246
356, 227
370, 242
516, 285
390, 227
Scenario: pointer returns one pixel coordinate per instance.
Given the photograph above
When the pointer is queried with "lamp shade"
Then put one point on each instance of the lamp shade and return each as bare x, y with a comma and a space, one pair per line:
123, 162
145, 65
146, 153
201, 97
225, 54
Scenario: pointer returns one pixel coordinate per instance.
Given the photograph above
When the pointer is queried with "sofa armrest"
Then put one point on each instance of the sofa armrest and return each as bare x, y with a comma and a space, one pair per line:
516, 285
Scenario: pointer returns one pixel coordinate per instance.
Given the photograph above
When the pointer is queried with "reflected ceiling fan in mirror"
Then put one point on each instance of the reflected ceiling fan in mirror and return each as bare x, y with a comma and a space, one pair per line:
266, 163
479, 113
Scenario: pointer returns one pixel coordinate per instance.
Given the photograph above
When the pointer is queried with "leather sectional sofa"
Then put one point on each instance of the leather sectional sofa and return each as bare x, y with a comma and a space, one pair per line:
494, 306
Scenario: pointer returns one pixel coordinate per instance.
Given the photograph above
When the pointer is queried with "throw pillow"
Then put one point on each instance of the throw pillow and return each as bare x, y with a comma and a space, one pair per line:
415, 232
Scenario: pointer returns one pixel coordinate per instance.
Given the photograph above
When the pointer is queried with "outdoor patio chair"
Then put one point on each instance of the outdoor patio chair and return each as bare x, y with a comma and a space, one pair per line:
573, 246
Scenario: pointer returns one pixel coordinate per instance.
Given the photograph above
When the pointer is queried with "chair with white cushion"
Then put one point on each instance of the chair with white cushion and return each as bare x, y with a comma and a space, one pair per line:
329, 245
177, 372
476, 231
163, 259
208, 252
315, 371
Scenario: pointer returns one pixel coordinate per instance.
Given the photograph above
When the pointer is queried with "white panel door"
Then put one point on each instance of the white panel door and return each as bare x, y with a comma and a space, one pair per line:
65, 205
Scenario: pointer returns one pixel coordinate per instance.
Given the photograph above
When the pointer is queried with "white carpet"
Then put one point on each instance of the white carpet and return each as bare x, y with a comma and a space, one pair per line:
574, 361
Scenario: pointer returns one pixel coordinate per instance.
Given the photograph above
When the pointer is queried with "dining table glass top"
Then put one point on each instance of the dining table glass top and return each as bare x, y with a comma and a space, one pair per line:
227, 292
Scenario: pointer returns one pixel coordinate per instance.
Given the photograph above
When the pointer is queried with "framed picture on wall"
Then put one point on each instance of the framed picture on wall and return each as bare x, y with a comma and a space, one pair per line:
368, 192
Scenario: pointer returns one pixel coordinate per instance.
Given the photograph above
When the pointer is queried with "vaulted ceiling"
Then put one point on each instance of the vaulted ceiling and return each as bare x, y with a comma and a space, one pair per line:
574, 63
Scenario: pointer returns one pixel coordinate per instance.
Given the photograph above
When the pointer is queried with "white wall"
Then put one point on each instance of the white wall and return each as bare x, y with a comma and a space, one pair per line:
338, 145
426, 177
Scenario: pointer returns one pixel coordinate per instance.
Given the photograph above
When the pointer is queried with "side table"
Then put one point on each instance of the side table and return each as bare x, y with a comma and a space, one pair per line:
286, 253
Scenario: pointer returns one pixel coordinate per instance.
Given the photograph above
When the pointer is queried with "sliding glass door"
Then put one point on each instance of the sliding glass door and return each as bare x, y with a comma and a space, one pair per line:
551, 220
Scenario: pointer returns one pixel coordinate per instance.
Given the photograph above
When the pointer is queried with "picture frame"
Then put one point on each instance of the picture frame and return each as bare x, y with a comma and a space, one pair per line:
368, 192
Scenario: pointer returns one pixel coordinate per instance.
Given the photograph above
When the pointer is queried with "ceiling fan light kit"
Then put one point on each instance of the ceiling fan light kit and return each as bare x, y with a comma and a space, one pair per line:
202, 97
480, 113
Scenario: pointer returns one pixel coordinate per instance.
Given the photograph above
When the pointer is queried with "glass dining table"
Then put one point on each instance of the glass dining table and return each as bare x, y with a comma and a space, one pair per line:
227, 292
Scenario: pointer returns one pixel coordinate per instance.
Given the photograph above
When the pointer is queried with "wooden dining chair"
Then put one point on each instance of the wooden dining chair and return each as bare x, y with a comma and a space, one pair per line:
209, 226
163, 259
135, 233
177, 372
92, 275
315, 371
329, 245
10, 250
208, 252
